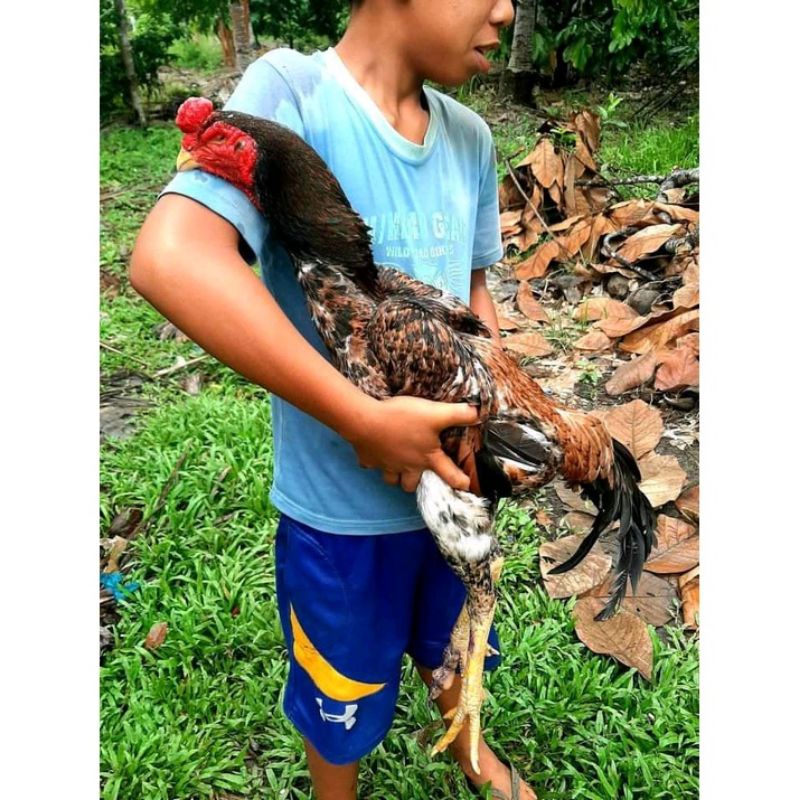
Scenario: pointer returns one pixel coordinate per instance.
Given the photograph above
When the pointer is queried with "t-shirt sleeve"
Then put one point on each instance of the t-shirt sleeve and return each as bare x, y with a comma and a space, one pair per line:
263, 91
487, 247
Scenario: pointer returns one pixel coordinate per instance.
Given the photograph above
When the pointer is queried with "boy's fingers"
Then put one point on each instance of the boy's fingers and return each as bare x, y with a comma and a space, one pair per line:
409, 480
456, 414
392, 478
447, 470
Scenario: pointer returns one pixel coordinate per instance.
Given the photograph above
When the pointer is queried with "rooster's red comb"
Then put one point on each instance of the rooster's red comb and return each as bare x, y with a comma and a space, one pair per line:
193, 113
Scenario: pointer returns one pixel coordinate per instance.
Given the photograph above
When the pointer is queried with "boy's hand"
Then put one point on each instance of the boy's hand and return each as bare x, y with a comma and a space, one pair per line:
400, 436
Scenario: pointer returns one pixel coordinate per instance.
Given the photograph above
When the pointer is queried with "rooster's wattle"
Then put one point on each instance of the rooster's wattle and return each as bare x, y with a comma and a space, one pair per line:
393, 335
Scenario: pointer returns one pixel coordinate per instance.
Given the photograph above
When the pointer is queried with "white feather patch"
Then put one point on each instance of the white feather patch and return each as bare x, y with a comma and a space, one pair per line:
460, 522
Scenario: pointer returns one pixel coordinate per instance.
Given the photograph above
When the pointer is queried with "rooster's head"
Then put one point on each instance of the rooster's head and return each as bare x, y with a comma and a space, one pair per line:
217, 142
283, 177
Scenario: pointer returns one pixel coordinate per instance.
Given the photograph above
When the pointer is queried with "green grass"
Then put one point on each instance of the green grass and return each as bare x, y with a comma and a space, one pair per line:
201, 715
201, 52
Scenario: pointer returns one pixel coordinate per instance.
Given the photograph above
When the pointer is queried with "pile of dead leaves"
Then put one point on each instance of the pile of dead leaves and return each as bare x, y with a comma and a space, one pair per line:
632, 265
669, 590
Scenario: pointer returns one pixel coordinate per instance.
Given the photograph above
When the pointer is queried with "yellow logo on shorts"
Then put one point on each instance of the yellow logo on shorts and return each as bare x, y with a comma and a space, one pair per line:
326, 677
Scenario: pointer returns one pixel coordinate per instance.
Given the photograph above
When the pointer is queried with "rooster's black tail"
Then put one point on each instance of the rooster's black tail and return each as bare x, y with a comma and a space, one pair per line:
637, 521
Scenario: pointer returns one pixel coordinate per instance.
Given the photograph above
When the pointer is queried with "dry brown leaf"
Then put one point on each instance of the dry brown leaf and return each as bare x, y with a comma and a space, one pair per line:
546, 165
646, 241
689, 588
688, 296
584, 156
572, 499
589, 573
562, 384
116, 548
631, 374
506, 324
592, 199
525, 240
528, 304
510, 196
573, 240
156, 635
630, 212
578, 521
570, 175
593, 341
557, 196
566, 224
588, 124
690, 341
510, 221
654, 601
601, 226
675, 196
677, 549
610, 269
597, 308
679, 213
691, 274
689, 503
624, 637
528, 344
543, 518
621, 327
536, 265
637, 425
662, 478
679, 369
656, 335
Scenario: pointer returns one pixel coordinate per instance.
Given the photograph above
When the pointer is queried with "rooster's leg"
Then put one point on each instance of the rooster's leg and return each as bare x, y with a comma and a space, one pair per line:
480, 608
461, 524
455, 656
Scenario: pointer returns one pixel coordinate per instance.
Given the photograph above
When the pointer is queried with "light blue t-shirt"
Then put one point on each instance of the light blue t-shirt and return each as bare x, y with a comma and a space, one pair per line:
433, 211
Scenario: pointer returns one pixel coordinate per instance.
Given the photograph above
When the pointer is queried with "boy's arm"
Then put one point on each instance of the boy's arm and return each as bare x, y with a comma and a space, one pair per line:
186, 263
481, 303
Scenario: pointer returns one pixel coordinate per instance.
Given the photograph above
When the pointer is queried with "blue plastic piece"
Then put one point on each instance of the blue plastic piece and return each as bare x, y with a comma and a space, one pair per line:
112, 581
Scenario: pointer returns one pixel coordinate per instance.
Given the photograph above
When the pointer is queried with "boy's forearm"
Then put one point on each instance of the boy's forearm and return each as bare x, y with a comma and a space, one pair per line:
481, 303
211, 294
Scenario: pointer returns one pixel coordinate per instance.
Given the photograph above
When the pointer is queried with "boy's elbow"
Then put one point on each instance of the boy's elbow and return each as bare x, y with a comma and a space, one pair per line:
145, 263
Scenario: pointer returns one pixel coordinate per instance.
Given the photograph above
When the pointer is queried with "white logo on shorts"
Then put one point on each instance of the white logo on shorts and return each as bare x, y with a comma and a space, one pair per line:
348, 718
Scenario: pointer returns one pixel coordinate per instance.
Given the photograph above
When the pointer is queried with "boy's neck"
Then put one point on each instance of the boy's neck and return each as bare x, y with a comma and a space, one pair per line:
375, 57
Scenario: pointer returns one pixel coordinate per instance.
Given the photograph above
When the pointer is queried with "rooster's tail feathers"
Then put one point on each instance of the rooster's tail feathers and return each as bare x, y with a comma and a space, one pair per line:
619, 500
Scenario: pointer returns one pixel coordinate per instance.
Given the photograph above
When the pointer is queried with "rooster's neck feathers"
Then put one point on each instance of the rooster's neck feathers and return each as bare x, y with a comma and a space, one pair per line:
305, 204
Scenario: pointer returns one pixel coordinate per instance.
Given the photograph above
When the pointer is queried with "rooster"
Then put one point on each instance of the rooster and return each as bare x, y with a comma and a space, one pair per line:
392, 335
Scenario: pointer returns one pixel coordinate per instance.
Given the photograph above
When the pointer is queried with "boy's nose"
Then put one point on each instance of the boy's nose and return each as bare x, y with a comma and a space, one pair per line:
502, 13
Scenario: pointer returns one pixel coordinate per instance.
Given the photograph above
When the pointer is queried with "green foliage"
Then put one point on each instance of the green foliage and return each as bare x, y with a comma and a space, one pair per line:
304, 24
152, 33
200, 52
597, 36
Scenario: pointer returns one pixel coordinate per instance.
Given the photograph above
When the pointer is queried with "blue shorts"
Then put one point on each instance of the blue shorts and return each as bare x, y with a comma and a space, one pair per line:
350, 606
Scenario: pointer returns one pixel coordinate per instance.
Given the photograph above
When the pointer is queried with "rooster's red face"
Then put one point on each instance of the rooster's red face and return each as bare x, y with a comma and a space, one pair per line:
216, 146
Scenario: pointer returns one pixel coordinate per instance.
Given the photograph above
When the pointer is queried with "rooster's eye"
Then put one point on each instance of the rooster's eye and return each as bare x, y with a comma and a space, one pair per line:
219, 138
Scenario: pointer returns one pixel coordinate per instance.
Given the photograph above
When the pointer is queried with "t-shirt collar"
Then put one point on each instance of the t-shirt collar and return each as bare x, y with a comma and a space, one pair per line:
405, 148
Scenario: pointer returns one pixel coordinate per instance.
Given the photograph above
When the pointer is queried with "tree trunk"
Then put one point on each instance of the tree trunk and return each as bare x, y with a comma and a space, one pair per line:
125, 49
225, 36
240, 22
520, 74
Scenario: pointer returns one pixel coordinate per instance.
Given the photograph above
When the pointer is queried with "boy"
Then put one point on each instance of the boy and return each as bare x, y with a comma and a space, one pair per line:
359, 580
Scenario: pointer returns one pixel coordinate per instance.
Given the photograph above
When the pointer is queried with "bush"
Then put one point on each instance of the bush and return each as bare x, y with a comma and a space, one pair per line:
151, 36
200, 52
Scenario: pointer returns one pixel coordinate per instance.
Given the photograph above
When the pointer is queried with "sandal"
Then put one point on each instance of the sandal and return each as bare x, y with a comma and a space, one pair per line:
498, 794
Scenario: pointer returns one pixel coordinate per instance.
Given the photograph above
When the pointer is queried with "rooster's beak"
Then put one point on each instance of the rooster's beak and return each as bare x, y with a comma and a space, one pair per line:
185, 161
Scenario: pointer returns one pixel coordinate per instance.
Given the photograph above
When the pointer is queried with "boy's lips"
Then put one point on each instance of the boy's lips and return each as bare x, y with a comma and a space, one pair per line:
483, 50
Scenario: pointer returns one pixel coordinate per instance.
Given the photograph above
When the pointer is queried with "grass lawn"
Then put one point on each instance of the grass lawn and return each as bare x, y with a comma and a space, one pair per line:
200, 716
